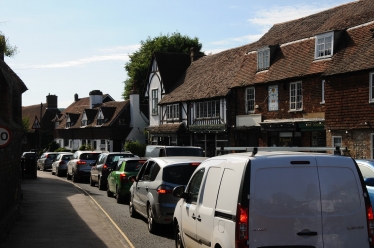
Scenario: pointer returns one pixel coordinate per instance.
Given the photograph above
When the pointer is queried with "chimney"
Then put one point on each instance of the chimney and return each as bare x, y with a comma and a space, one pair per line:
135, 117
51, 101
195, 53
96, 97
76, 97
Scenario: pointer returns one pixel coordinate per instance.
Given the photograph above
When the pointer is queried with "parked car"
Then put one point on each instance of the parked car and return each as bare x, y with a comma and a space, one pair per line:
118, 178
79, 167
151, 193
46, 159
274, 199
367, 170
28, 164
171, 151
59, 166
100, 167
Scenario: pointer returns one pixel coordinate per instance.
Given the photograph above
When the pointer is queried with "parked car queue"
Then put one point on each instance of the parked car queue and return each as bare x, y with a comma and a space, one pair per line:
208, 200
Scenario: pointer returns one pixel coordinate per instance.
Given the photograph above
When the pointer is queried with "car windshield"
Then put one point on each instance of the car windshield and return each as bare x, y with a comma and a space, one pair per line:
133, 165
179, 174
184, 152
89, 156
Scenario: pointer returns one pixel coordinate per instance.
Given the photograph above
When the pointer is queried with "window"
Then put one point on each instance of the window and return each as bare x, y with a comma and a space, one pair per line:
263, 59
100, 121
250, 99
336, 141
296, 98
323, 92
155, 102
194, 187
371, 87
273, 98
172, 111
324, 45
207, 109
84, 123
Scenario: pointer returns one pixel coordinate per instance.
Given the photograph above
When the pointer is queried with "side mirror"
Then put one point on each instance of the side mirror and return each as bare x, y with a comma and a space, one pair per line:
132, 179
369, 181
179, 192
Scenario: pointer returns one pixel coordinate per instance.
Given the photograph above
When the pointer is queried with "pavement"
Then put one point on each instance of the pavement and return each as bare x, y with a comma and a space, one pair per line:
57, 213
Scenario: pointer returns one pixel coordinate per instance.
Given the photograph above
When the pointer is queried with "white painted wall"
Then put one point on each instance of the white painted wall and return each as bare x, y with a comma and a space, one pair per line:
138, 120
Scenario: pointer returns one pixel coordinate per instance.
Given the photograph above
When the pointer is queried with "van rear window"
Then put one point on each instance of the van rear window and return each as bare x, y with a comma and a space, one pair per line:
178, 174
184, 152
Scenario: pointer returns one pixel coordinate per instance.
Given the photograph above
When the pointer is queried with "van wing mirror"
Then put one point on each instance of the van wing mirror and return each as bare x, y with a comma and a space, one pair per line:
179, 192
369, 181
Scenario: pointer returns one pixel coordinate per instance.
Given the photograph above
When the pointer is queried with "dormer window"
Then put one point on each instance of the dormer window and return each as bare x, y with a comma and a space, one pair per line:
84, 120
263, 59
324, 47
100, 118
68, 122
172, 112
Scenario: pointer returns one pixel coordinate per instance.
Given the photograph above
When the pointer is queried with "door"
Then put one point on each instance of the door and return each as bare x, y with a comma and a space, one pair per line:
285, 206
142, 188
189, 217
113, 177
343, 206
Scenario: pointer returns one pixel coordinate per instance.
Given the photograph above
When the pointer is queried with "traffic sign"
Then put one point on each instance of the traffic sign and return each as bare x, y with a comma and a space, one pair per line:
5, 136
36, 124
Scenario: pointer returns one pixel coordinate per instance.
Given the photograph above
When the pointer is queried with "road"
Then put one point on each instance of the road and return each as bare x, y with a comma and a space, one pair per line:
106, 222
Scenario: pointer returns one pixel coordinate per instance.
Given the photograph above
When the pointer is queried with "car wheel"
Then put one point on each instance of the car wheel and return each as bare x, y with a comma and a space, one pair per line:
43, 169
92, 183
119, 197
101, 186
108, 192
177, 236
58, 173
52, 172
74, 178
152, 225
132, 211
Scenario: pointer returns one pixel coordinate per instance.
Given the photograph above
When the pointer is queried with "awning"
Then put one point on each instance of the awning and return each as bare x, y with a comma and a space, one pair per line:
302, 124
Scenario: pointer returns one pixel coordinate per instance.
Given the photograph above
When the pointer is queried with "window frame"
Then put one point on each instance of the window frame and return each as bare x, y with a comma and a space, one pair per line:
208, 109
333, 143
317, 53
263, 59
172, 111
323, 91
297, 93
250, 100
371, 87
154, 105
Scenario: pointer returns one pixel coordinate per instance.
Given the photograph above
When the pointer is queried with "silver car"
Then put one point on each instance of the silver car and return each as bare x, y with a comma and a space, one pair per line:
151, 192
80, 166
45, 161
59, 166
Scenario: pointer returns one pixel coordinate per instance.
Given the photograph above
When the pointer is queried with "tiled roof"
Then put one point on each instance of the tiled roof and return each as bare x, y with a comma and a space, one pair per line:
7, 73
76, 106
110, 110
167, 128
34, 110
208, 77
337, 18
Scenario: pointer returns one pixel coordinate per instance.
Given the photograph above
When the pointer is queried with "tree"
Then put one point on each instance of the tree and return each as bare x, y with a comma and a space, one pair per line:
137, 67
5, 47
135, 147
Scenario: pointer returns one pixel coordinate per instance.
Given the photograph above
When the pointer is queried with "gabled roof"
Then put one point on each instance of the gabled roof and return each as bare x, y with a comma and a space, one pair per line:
208, 77
34, 110
337, 18
7, 75
84, 102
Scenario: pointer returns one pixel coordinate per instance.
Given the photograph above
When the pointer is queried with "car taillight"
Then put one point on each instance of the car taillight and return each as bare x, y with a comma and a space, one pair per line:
195, 164
370, 216
123, 178
163, 189
46, 156
105, 167
62, 162
81, 162
241, 227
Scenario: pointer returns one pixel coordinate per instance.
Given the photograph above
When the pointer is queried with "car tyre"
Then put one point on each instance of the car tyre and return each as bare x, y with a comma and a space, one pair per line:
74, 178
108, 192
152, 225
177, 237
119, 197
52, 172
132, 211
92, 183
67, 176
101, 186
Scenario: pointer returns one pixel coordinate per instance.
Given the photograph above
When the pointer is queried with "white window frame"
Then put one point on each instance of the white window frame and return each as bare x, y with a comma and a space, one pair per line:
371, 87
154, 95
334, 144
323, 47
296, 96
250, 100
323, 92
263, 59
208, 109
172, 112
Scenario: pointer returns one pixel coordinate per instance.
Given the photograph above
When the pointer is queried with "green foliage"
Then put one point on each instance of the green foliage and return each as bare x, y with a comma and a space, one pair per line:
135, 147
137, 67
62, 149
6, 48
87, 147
25, 125
53, 146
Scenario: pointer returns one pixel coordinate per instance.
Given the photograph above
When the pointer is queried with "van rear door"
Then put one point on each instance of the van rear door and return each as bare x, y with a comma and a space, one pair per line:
285, 206
344, 220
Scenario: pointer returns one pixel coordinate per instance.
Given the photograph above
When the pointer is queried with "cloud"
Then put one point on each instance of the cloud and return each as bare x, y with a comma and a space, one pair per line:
129, 49
244, 40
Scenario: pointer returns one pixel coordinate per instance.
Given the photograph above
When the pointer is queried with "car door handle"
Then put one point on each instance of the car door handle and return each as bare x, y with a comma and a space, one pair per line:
193, 216
307, 232
198, 218
146, 188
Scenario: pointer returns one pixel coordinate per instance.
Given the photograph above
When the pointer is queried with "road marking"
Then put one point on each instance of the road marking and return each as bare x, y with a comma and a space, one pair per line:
107, 215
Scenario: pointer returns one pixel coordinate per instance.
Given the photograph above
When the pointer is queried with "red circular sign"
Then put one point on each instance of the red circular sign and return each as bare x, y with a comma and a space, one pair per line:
5, 136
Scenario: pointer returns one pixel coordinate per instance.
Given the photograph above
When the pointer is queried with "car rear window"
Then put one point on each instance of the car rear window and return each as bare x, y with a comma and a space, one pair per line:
29, 155
133, 166
113, 159
89, 156
67, 157
52, 156
178, 174
184, 152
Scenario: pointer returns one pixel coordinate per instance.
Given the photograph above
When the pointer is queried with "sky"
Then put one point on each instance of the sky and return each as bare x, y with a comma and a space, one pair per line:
76, 46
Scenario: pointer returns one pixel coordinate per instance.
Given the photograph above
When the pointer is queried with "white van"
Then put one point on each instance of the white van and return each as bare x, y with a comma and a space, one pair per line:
274, 199
152, 151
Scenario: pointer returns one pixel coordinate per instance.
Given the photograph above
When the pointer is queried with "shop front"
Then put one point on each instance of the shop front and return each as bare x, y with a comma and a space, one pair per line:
209, 137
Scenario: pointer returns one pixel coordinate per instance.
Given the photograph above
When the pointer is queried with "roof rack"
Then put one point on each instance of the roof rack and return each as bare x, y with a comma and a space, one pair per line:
254, 150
